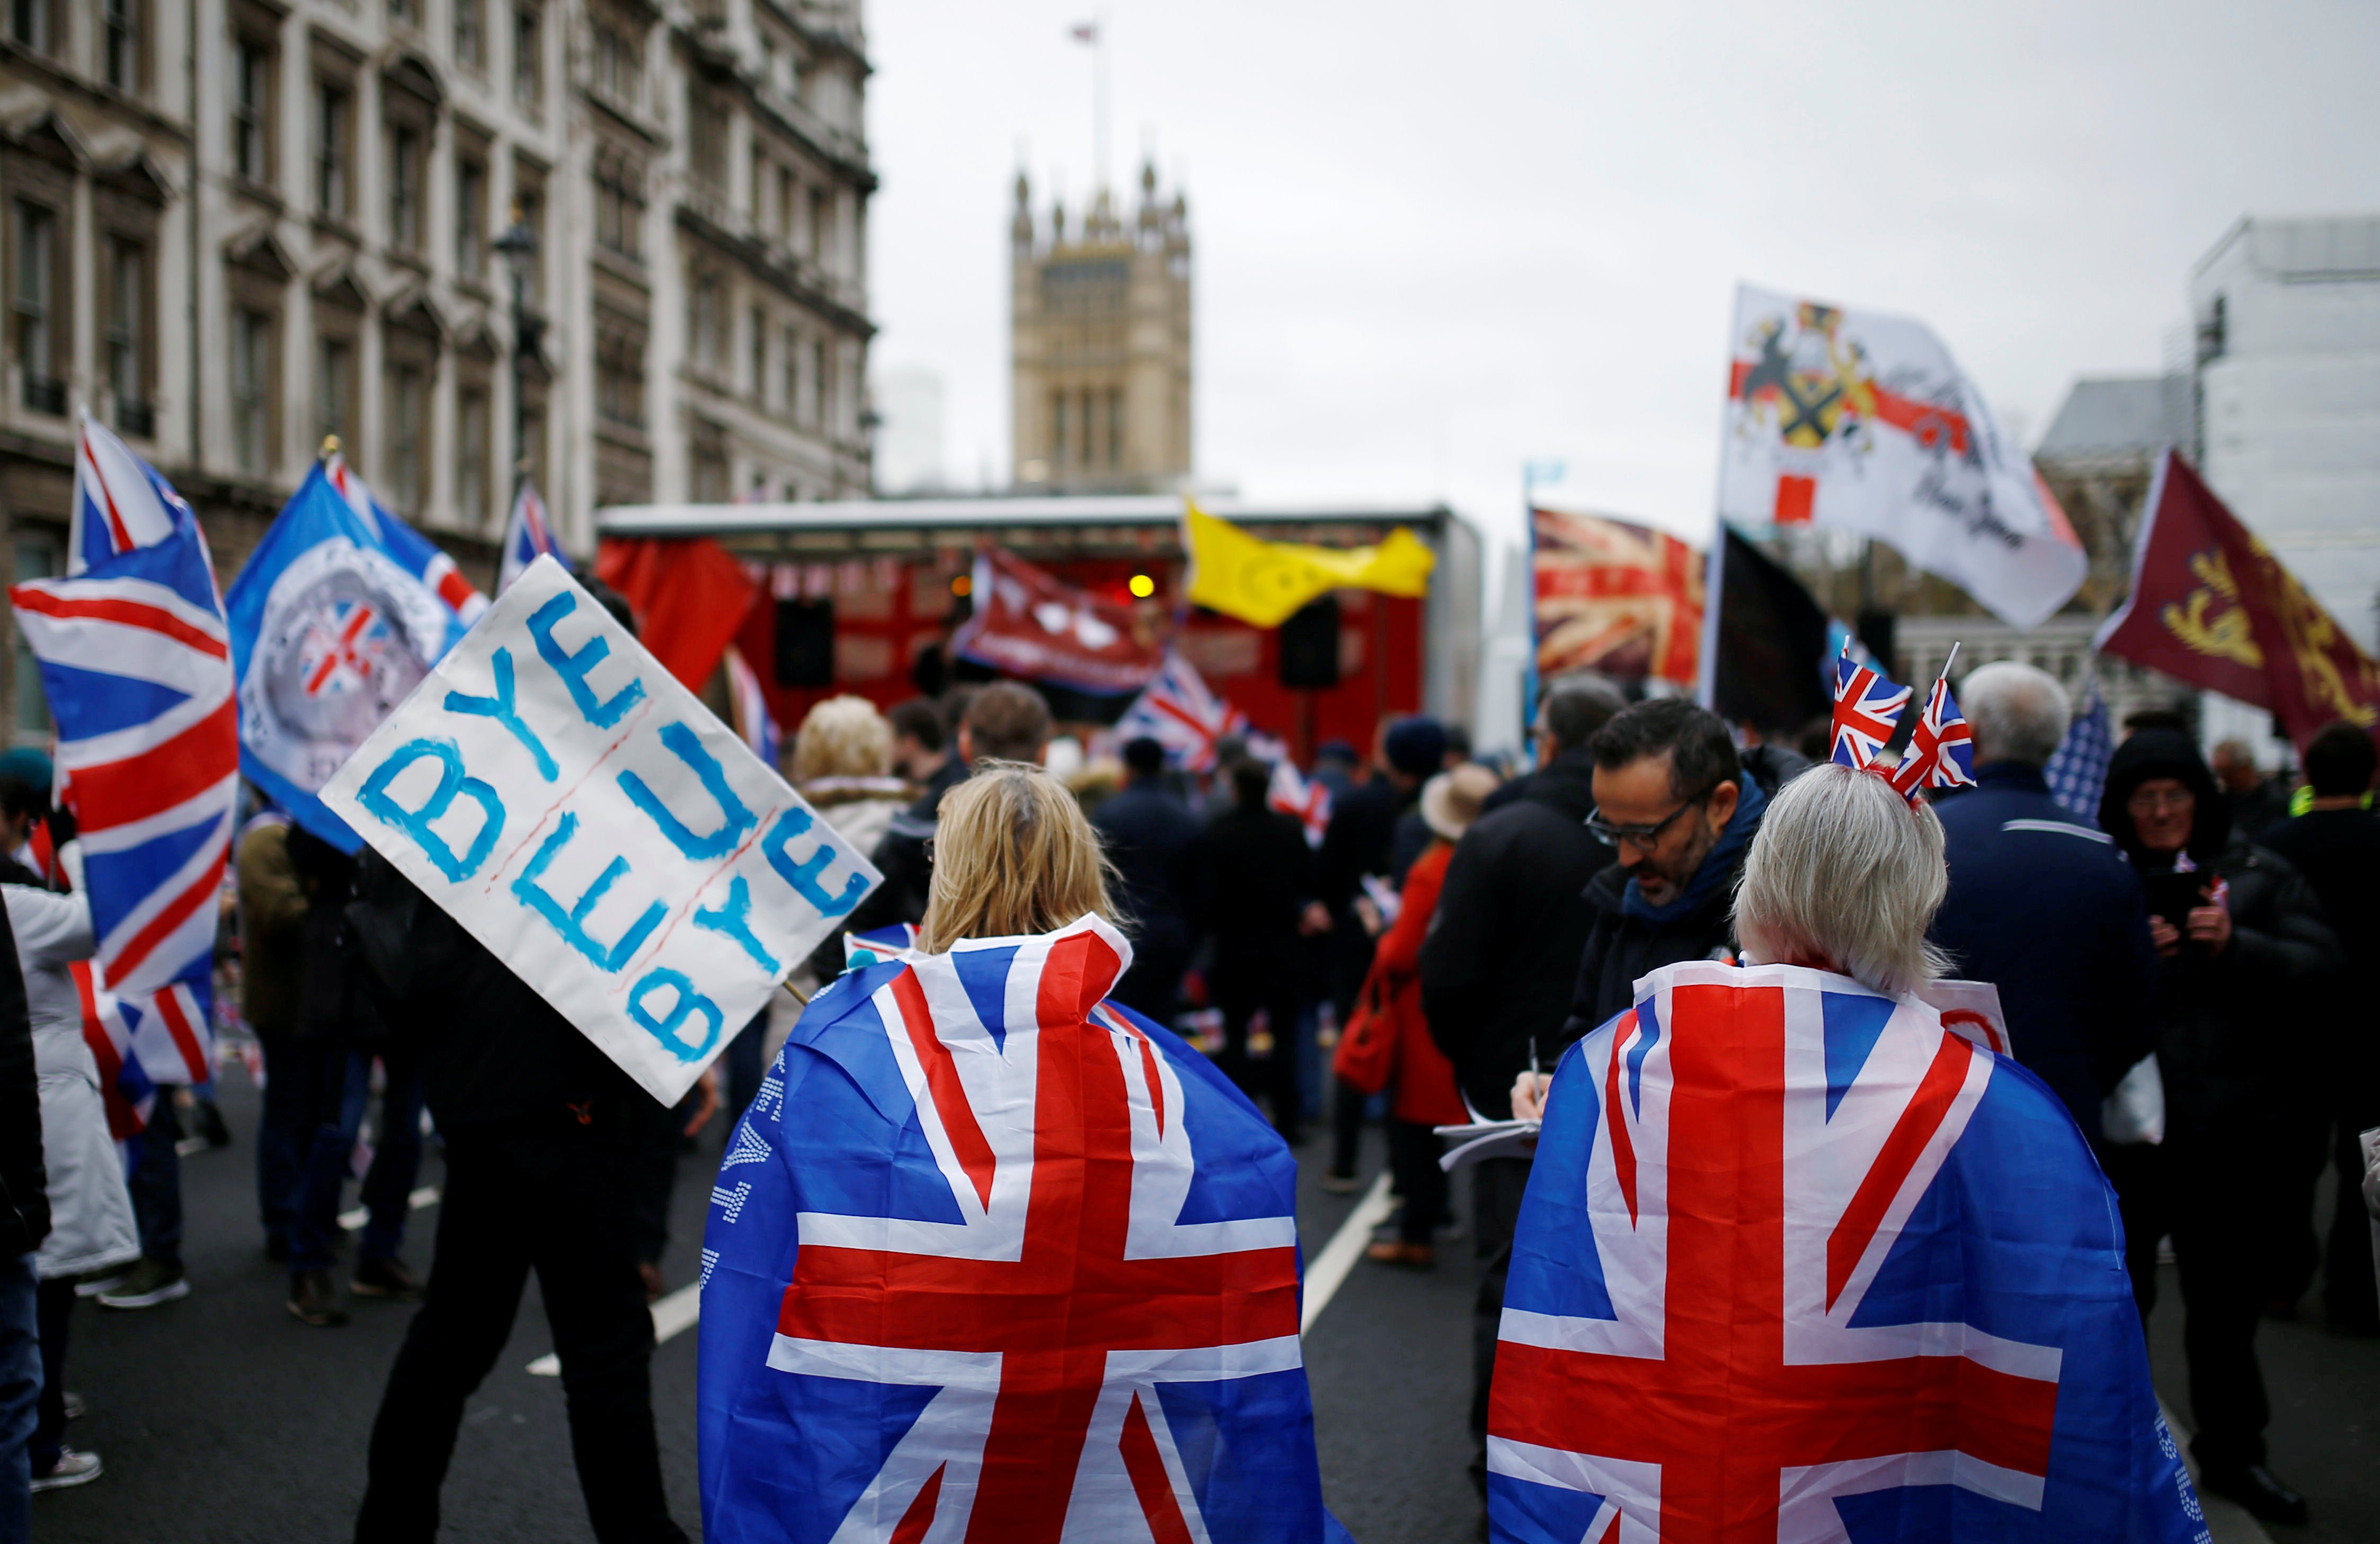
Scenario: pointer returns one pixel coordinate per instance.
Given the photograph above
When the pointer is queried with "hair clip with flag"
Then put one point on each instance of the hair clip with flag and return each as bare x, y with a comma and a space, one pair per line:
1941, 752
1867, 710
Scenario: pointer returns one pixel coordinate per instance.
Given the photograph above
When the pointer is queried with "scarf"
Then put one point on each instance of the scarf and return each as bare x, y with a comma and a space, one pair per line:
1717, 868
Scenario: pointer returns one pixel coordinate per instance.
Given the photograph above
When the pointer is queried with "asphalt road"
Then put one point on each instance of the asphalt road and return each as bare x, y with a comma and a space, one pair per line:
224, 1421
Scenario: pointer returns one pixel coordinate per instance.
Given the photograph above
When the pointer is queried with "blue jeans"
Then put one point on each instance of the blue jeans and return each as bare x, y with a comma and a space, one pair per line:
20, 1394
341, 1091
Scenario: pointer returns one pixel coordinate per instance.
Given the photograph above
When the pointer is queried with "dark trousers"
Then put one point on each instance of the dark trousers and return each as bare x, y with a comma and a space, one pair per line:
555, 1199
55, 1307
281, 1135
2212, 1202
155, 1183
1277, 1079
337, 1093
1348, 1105
20, 1394
1413, 1149
1497, 1186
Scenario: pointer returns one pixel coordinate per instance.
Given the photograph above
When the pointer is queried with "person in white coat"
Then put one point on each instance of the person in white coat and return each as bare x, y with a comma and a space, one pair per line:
92, 1229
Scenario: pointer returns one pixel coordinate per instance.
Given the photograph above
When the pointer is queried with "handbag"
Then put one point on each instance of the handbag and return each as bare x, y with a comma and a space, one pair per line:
1366, 1052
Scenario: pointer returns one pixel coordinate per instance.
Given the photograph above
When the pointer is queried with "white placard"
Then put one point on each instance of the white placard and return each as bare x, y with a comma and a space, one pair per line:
583, 815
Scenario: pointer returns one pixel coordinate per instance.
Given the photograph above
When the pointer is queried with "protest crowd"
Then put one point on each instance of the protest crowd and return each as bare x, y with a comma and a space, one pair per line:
1023, 1027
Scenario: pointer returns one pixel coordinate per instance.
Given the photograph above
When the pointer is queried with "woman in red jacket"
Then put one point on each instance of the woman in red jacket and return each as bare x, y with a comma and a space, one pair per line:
1426, 1094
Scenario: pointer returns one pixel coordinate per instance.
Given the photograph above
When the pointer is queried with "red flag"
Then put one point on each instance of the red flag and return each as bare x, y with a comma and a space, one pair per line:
1031, 624
688, 595
2211, 606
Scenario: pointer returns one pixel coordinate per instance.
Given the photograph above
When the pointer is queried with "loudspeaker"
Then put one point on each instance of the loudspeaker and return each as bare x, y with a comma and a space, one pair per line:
1309, 646
805, 643
1876, 634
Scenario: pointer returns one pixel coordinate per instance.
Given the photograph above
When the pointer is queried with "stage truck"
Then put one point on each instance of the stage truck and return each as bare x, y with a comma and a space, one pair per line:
862, 596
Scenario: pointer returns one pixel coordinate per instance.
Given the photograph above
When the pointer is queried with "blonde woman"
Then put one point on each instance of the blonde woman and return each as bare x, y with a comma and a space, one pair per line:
842, 762
970, 1174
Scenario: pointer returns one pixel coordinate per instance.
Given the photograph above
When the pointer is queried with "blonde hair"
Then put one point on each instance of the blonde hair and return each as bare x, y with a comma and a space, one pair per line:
842, 736
1844, 871
1013, 854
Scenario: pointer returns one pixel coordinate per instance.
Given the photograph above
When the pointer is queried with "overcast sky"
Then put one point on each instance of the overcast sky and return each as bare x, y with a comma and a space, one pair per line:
1431, 241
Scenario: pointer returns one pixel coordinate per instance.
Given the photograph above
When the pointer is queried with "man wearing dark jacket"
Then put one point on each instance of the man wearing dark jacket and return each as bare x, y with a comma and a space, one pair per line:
2042, 904
2336, 845
1681, 803
1256, 882
1152, 839
24, 1223
2241, 941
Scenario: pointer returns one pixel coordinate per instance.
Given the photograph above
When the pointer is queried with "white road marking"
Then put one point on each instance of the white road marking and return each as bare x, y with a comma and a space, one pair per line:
356, 1217
1324, 1277
673, 1317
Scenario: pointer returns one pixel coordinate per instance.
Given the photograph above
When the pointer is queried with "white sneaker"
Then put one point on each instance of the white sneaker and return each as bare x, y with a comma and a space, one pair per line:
98, 1285
71, 1469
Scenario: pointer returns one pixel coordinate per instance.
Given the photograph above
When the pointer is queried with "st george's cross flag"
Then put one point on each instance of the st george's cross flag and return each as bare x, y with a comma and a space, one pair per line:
136, 663
1798, 1262
989, 1257
1867, 710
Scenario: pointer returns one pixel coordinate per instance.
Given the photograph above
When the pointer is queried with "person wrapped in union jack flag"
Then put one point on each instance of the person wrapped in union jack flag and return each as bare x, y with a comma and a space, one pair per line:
991, 1254
1800, 1257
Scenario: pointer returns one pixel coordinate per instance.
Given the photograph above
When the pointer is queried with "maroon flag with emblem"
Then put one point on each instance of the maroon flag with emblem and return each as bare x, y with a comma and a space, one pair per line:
1032, 624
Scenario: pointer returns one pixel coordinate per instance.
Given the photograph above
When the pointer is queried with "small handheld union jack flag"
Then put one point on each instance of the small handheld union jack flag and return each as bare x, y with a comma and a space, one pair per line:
1867, 710
1941, 753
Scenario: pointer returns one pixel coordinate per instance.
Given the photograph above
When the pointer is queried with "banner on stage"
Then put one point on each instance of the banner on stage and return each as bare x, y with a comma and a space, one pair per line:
1033, 623
1853, 421
581, 814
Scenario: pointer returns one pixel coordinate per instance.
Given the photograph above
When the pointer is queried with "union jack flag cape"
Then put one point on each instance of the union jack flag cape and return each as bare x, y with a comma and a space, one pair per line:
136, 663
1178, 712
1867, 710
989, 1257
1797, 1262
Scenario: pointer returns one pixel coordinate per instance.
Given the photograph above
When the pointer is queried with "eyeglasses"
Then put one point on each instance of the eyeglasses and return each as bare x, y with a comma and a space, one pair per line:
2150, 801
1642, 837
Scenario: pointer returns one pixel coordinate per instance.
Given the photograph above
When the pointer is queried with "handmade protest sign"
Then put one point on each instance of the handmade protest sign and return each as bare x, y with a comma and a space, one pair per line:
582, 815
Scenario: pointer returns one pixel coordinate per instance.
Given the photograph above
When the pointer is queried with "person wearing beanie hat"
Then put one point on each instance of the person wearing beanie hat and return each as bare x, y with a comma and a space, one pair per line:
2241, 941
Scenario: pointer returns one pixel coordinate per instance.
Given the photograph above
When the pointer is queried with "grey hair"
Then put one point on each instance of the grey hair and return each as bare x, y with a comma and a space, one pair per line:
2017, 713
1844, 871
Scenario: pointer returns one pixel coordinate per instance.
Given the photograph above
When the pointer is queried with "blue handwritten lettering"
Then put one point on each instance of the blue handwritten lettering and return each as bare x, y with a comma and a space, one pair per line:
734, 921
499, 708
804, 876
572, 924
374, 796
689, 1002
734, 819
574, 668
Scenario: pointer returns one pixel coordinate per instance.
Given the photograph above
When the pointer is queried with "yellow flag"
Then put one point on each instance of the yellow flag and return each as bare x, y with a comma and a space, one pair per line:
1265, 582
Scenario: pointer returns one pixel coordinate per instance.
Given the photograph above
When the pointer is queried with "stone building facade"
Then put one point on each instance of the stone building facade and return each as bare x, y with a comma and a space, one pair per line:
230, 228
1099, 345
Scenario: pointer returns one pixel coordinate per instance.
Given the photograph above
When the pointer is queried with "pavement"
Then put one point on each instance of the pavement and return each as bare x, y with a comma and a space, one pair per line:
223, 1420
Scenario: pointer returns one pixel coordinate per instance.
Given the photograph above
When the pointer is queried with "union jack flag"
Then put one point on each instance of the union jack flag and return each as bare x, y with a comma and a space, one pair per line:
1292, 794
1178, 712
1799, 1263
136, 662
747, 706
528, 536
126, 1089
1941, 752
1020, 1265
411, 549
1867, 710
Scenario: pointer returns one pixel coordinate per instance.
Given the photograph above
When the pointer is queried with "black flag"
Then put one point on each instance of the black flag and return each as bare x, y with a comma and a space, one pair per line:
1772, 645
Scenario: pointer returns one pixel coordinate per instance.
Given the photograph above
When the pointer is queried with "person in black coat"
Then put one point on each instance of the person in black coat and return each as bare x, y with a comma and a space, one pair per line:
2242, 942
2042, 904
24, 1223
2336, 845
1256, 884
1151, 837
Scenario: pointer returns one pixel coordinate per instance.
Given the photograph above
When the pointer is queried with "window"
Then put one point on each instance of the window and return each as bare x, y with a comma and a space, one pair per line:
793, 386
120, 45
760, 379
331, 101
37, 558
528, 55
768, 61
334, 379
408, 424
619, 64
704, 321
251, 399
470, 218
620, 380
403, 189
127, 301
528, 208
706, 139
28, 23
405, 13
251, 99
619, 204
822, 383
1057, 429
1115, 426
470, 37
786, 206
36, 308
820, 213
471, 456
1090, 429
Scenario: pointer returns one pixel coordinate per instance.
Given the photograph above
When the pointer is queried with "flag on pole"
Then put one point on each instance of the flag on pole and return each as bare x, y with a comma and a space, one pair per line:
126, 1089
330, 630
135, 658
1179, 712
748, 706
1867, 710
1291, 794
1941, 751
1854, 421
412, 551
527, 537
2077, 770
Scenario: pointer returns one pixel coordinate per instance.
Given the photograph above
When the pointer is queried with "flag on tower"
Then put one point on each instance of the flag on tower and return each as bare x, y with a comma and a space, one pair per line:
1867, 710
1798, 1260
135, 660
990, 1254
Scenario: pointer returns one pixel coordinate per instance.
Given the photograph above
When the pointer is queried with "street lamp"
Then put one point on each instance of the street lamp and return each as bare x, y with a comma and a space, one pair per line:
519, 246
